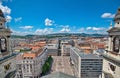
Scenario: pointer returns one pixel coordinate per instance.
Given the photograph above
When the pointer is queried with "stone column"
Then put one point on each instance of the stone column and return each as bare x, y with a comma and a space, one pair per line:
119, 47
110, 44
0, 52
9, 45
111, 49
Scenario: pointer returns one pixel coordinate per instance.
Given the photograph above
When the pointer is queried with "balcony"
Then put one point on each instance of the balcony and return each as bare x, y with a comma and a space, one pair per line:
112, 58
7, 57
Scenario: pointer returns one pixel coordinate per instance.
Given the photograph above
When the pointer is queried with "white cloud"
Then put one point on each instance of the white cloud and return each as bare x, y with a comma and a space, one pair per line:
44, 31
37, 32
8, 18
107, 15
88, 28
21, 33
18, 19
26, 27
48, 22
5, 9
65, 29
97, 28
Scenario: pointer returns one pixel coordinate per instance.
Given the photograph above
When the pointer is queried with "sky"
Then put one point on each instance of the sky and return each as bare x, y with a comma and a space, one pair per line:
42, 17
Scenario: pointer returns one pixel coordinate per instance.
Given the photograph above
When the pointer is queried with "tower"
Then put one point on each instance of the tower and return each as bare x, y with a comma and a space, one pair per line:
7, 58
114, 35
111, 62
4, 36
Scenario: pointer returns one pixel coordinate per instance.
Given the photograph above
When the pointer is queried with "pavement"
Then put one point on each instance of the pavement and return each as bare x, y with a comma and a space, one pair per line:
61, 64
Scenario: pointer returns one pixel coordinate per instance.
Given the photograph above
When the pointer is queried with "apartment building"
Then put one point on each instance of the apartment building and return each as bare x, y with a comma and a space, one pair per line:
52, 49
91, 44
29, 65
65, 47
65, 50
85, 65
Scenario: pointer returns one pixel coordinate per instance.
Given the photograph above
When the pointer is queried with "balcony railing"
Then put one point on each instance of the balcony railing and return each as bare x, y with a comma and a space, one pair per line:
7, 57
112, 58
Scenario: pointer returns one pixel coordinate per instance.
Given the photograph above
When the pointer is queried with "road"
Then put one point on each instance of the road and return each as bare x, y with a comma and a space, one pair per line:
62, 64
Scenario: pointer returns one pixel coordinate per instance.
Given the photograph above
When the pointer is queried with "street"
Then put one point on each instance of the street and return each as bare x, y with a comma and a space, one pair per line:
62, 64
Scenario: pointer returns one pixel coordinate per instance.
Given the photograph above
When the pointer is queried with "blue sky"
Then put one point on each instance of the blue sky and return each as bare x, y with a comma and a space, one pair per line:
59, 16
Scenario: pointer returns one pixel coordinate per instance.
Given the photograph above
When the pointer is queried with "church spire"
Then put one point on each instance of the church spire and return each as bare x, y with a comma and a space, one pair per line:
110, 25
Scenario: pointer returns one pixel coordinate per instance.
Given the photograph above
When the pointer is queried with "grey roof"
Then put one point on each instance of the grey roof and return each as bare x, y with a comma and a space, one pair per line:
114, 29
90, 56
117, 16
58, 75
52, 46
84, 55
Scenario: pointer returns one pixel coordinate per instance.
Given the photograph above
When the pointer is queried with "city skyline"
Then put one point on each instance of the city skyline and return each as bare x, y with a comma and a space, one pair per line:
58, 16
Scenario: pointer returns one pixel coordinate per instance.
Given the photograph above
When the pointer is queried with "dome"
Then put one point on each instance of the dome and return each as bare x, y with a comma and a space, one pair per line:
117, 16
1, 13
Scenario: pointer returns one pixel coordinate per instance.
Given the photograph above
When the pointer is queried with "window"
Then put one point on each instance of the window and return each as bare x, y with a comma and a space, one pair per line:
116, 44
3, 44
112, 67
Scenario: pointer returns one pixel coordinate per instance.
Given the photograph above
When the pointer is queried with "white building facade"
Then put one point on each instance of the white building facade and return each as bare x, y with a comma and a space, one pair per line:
30, 65
86, 65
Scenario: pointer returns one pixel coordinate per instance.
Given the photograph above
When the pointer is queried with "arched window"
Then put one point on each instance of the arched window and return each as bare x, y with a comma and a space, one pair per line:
112, 67
3, 44
116, 44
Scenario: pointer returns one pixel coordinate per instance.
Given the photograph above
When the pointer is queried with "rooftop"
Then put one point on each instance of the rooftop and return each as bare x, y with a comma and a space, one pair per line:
84, 55
52, 46
90, 56
32, 55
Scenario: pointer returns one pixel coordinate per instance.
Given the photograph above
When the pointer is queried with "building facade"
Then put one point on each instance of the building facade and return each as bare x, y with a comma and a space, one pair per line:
52, 49
65, 47
65, 50
7, 58
111, 65
86, 65
29, 65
